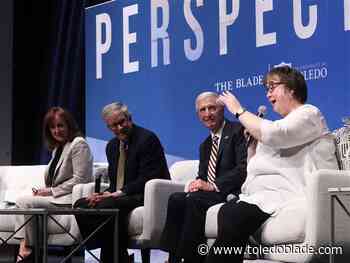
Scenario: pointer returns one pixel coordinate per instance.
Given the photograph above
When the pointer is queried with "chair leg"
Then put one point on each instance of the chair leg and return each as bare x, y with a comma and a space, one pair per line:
146, 255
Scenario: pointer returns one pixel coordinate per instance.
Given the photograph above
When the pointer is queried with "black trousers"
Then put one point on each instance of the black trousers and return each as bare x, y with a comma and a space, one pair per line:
104, 238
185, 224
236, 222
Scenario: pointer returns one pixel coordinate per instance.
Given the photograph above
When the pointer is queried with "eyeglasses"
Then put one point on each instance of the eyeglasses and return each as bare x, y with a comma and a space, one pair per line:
271, 85
119, 123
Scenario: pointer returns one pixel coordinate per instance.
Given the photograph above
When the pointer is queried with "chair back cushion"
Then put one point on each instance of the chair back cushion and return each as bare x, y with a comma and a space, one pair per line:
18, 180
184, 171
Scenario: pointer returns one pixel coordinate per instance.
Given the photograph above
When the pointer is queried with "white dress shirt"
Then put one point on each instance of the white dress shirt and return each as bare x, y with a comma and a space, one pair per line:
219, 132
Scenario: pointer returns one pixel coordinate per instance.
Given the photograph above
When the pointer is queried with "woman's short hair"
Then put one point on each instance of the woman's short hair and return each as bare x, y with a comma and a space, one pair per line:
73, 129
293, 80
111, 108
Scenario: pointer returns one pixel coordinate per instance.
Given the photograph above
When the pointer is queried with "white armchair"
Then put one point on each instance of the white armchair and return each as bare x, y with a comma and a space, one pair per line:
304, 223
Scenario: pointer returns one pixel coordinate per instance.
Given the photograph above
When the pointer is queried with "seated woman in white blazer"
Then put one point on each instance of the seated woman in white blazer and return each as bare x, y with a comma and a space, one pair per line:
71, 164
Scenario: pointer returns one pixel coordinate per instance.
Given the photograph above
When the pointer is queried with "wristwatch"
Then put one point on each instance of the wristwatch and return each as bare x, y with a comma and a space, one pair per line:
240, 112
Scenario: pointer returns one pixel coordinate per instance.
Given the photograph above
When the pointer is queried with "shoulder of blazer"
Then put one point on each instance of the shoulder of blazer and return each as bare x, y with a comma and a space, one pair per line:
232, 127
112, 143
140, 131
139, 135
69, 145
77, 140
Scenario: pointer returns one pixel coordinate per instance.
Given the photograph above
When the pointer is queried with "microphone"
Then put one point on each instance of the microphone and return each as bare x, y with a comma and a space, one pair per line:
261, 113
230, 197
100, 172
98, 183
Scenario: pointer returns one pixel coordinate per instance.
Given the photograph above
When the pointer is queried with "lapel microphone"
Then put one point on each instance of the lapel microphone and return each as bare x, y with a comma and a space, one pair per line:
261, 114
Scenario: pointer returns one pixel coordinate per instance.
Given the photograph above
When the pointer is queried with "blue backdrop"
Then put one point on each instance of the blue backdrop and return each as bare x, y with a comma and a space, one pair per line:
157, 55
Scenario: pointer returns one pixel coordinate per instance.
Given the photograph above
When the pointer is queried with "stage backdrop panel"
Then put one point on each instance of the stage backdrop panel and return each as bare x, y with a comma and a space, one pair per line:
158, 55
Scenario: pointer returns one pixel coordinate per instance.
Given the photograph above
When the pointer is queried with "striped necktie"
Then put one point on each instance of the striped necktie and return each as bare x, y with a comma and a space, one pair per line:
121, 165
213, 159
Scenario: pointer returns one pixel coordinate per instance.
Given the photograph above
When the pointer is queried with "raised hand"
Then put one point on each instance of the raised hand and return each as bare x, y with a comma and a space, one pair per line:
230, 101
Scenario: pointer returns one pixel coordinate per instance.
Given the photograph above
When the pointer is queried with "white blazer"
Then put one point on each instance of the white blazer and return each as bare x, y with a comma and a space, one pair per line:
74, 167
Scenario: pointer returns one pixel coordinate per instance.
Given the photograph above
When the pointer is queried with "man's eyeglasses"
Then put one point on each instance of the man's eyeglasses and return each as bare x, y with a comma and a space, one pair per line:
271, 85
120, 123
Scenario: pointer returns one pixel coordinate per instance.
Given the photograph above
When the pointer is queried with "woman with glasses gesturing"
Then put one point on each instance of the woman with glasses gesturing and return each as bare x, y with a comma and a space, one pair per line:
284, 153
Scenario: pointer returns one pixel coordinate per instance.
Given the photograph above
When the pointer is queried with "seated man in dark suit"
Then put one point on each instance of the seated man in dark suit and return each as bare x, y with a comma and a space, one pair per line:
134, 156
222, 171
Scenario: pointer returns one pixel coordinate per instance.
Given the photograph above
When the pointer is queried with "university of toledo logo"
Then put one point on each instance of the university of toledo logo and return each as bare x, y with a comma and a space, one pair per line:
280, 65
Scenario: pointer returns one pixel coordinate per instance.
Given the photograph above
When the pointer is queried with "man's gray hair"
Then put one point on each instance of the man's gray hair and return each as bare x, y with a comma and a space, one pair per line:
115, 107
204, 95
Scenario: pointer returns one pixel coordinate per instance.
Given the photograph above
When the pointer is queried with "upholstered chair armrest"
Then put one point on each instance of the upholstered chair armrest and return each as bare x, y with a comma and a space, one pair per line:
84, 190
157, 192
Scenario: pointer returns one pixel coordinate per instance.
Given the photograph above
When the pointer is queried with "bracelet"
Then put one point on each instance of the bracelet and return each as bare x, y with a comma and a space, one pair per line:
240, 112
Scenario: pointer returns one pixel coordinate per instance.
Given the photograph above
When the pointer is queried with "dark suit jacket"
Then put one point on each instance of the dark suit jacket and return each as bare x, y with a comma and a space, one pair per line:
231, 167
145, 160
